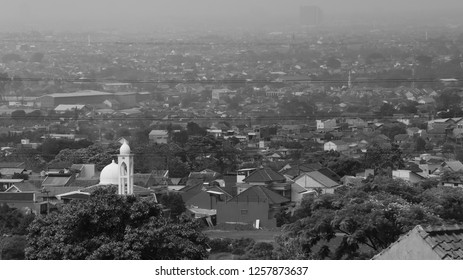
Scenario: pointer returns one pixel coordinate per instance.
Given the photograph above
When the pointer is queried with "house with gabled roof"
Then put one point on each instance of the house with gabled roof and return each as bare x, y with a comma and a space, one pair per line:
336, 145
453, 166
264, 176
208, 197
255, 203
323, 181
426, 243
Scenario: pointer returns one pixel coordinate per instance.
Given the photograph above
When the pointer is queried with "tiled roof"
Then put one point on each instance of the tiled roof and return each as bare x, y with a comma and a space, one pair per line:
446, 241
259, 194
330, 174
264, 175
26, 187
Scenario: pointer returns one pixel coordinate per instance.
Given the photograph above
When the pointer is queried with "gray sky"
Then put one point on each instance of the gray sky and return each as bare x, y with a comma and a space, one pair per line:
123, 12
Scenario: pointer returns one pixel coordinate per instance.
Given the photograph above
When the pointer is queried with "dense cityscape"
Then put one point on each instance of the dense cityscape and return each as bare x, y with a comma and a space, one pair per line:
310, 141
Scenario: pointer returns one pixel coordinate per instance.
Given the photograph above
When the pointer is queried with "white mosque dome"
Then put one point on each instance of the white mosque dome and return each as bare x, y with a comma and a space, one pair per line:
125, 149
110, 174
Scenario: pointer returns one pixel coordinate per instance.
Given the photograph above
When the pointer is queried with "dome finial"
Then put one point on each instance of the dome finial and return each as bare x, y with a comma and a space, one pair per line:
125, 149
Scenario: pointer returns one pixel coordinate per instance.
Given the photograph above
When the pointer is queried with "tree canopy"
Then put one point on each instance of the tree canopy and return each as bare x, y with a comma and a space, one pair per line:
357, 223
108, 226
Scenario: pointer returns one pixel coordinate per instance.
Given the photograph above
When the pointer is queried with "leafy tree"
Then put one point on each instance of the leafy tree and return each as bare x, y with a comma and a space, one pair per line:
296, 107
108, 226
35, 115
37, 57
387, 110
13, 221
23, 176
13, 248
448, 99
123, 132
175, 203
447, 202
52, 147
354, 224
18, 115
11, 57
380, 158
333, 62
178, 168
141, 136
194, 129
4, 80
97, 154
180, 137
260, 251
420, 144
345, 166
424, 60
448, 149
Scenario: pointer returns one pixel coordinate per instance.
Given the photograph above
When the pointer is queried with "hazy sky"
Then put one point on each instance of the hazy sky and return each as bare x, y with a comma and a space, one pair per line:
126, 12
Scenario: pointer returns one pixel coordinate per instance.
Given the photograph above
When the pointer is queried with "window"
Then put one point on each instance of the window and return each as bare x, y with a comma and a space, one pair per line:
244, 211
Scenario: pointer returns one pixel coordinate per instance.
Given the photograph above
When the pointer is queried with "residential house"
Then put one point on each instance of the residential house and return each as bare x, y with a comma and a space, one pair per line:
263, 177
159, 136
207, 197
452, 166
457, 132
75, 108
299, 193
323, 181
84, 171
407, 175
440, 123
401, 138
438, 134
256, 203
426, 243
7, 183
336, 145
327, 125
356, 124
269, 178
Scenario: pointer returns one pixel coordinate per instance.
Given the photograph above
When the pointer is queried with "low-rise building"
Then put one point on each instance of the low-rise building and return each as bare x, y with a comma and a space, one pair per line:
159, 136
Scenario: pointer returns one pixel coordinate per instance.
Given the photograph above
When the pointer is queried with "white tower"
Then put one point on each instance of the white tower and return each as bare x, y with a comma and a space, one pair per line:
125, 164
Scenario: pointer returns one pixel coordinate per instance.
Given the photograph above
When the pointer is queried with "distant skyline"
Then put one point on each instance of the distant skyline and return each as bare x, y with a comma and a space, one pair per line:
120, 13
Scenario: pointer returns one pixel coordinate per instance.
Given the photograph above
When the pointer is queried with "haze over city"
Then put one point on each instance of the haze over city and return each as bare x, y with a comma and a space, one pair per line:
231, 130
142, 14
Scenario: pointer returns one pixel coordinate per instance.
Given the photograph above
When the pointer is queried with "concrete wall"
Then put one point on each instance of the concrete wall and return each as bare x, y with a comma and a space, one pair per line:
244, 212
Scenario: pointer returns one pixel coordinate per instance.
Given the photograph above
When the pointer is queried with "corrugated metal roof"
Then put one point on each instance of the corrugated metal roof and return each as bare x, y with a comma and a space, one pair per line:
56, 181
